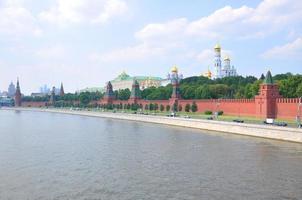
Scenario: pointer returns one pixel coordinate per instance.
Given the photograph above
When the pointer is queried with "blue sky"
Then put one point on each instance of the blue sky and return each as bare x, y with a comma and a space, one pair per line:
85, 43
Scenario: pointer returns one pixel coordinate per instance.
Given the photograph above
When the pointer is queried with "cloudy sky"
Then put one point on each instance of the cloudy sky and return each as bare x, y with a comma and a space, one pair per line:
88, 42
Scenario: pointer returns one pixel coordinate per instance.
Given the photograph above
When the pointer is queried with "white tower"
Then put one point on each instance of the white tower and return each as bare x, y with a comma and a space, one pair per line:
217, 61
227, 67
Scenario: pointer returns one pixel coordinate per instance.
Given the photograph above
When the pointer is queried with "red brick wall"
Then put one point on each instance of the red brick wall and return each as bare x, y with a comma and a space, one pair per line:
34, 104
238, 107
287, 108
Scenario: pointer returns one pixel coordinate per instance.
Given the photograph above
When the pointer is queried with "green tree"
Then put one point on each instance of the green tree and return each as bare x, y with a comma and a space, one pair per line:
179, 107
123, 94
151, 106
162, 108
155, 106
168, 108
85, 98
194, 107
187, 107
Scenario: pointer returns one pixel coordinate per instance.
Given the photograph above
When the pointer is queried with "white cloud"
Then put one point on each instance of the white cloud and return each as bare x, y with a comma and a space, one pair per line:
16, 20
166, 30
286, 51
84, 11
243, 22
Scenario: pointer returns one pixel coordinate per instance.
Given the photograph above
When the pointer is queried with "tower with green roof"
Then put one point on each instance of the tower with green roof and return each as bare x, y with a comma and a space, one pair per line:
266, 100
135, 92
109, 94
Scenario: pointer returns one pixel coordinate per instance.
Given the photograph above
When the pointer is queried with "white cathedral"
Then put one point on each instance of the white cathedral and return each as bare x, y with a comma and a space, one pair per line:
227, 70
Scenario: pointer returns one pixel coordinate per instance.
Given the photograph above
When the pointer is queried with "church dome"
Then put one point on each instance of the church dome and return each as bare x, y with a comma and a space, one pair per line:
217, 46
174, 69
227, 57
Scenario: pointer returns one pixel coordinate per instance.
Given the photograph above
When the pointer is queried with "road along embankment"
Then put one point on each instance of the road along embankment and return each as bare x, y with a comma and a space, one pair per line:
264, 131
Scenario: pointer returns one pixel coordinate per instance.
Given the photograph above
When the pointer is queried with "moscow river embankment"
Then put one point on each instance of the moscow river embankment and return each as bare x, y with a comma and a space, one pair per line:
264, 131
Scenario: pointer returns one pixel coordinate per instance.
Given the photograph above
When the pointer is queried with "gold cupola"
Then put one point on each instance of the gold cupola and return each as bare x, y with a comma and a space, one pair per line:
174, 69
217, 47
227, 58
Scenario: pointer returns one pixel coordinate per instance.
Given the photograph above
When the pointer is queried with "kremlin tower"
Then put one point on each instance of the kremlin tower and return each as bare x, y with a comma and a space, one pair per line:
175, 79
135, 92
52, 99
109, 96
62, 93
18, 95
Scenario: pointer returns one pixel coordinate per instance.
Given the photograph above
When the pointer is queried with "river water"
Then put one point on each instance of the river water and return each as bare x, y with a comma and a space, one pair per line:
57, 156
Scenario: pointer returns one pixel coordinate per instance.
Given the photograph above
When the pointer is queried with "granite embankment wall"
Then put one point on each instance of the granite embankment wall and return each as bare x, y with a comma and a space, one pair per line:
264, 131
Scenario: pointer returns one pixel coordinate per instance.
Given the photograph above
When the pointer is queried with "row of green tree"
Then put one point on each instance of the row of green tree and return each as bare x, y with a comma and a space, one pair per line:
151, 107
199, 87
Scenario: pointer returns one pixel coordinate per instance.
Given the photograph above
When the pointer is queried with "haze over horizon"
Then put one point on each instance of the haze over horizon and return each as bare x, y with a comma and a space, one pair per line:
84, 43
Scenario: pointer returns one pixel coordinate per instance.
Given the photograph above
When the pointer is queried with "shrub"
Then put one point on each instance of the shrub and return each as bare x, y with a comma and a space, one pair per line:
208, 112
187, 107
180, 108
162, 107
168, 108
220, 112
194, 107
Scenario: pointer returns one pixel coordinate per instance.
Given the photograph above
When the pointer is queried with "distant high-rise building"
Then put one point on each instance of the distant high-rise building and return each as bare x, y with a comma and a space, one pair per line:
44, 89
11, 90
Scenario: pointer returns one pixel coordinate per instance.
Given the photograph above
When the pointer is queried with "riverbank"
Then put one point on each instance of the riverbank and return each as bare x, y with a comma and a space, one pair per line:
264, 131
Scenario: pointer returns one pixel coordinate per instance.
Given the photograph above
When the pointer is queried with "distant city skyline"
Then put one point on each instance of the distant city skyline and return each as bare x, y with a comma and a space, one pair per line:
84, 43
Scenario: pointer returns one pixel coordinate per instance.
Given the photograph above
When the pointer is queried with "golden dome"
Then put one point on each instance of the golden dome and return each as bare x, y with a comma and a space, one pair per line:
227, 57
217, 46
208, 74
174, 69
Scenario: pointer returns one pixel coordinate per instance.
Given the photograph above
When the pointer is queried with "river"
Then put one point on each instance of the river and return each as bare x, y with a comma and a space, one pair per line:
58, 156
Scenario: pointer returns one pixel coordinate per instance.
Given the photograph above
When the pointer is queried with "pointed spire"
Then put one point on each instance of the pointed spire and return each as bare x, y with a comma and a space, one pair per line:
18, 95
53, 96
62, 93
135, 92
109, 91
268, 78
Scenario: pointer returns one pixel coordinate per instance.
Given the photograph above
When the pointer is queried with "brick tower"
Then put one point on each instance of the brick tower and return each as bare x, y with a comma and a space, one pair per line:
266, 100
52, 99
109, 95
175, 79
18, 95
135, 92
62, 93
